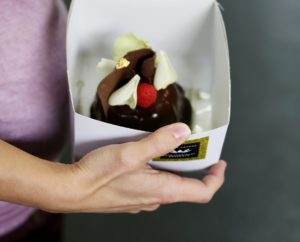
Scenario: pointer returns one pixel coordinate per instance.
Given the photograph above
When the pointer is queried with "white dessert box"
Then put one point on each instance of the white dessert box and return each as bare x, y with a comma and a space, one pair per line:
191, 32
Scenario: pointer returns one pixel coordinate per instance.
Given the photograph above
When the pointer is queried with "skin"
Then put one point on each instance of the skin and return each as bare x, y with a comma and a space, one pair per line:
111, 179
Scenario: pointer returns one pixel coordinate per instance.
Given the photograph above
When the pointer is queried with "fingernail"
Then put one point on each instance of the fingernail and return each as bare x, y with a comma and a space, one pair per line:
180, 131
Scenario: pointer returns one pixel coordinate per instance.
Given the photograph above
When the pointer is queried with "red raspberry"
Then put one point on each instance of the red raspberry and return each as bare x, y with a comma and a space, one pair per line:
146, 95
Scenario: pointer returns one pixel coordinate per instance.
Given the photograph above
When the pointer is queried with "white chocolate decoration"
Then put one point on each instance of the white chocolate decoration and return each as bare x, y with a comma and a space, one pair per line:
126, 95
105, 67
203, 95
165, 73
126, 43
197, 129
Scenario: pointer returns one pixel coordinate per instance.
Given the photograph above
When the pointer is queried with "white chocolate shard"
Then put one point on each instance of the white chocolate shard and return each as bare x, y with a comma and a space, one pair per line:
105, 67
203, 95
165, 73
197, 129
126, 95
126, 43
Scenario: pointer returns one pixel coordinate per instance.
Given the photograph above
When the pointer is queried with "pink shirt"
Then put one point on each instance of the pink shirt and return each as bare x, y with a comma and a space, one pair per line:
34, 100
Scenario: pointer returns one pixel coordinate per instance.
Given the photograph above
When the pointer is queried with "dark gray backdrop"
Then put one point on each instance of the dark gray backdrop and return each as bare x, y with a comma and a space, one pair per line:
261, 198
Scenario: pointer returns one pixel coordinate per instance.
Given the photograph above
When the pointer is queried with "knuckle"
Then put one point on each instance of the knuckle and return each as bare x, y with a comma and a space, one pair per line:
157, 144
206, 198
168, 197
152, 208
158, 148
135, 211
155, 208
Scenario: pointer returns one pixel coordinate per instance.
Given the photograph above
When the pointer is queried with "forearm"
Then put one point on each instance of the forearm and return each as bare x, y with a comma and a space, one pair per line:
28, 180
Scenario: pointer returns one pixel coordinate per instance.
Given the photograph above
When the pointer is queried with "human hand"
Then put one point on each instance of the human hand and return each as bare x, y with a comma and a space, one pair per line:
117, 178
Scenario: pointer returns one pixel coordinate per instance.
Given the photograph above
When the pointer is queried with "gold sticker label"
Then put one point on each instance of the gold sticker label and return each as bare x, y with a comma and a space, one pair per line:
189, 150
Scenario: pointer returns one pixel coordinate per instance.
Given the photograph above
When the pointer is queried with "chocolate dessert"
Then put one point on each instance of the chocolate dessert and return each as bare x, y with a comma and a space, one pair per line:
141, 93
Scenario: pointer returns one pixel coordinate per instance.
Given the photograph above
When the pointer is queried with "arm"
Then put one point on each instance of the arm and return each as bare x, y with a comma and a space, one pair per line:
28, 180
115, 178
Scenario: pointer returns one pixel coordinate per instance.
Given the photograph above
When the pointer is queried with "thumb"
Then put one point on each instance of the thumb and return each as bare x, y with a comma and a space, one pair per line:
159, 143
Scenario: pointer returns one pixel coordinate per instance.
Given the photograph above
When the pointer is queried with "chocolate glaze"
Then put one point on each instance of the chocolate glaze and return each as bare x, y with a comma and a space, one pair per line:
171, 105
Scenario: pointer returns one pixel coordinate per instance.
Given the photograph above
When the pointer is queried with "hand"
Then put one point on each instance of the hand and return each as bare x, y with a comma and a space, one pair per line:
117, 178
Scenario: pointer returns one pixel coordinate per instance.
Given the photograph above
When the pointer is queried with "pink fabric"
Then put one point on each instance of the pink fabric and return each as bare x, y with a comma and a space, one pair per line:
34, 100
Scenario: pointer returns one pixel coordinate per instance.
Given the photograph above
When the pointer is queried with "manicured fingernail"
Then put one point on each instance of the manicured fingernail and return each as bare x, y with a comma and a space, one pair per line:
180, 131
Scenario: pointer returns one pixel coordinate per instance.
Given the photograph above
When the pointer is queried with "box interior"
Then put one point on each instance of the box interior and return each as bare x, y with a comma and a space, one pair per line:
189, 31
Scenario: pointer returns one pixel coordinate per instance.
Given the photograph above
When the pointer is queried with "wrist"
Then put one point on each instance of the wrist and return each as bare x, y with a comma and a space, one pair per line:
71, 187
34, 182
63, 188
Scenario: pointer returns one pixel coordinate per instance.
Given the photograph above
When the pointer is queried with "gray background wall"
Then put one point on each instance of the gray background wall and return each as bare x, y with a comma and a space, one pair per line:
261, 198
